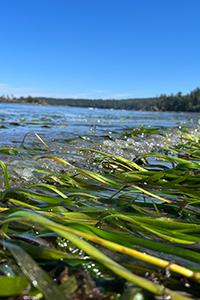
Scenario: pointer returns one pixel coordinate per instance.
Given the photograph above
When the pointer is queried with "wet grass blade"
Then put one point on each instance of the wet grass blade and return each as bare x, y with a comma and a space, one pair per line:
70, 233
41, 140
115, 158
7, 185
12, 285
142, 190
16, 193
50, 187
92, 175
37, 276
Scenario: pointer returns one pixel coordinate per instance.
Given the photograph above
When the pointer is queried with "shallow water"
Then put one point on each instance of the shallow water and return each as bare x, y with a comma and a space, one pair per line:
99, 129
64, 122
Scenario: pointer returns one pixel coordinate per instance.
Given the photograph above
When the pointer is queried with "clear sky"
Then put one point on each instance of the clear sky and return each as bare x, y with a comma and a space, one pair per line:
99, 48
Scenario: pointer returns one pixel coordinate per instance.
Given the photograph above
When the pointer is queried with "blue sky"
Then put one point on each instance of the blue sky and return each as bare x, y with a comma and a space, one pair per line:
99, 48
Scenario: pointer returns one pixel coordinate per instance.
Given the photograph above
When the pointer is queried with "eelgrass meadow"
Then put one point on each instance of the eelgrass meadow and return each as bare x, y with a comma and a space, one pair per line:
98, 223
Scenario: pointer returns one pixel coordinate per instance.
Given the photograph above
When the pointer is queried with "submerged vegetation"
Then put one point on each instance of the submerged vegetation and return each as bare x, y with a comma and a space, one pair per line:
122, 229
178, 102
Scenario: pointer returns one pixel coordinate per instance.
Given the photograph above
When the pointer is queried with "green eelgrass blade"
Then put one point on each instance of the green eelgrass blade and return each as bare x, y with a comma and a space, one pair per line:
42, 252
14, 201
187, 165
142, 190
166, 135
79, 217
14, 192
156, 208
115, 157
12, 285
165, 157
38, 277
48, 186
61, 179
41, 140
163, 233
27, 217
7, 185
82, 194
94, 176
11, 150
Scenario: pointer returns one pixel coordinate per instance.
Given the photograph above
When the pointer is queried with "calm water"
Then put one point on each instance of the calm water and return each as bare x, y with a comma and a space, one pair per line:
98, 128
65, 122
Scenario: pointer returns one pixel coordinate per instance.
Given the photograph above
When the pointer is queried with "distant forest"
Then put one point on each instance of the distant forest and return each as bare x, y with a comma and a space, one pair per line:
178, 102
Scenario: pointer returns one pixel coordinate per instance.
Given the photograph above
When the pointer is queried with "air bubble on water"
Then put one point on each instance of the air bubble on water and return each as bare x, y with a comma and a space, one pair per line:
167, 297
34, 282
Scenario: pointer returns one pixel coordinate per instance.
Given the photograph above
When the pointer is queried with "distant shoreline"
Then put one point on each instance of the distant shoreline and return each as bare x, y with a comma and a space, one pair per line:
13, 101
163, 103
46, 104
57, 102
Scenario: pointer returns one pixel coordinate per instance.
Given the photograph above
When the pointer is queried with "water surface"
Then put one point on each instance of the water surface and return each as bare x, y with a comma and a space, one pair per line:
55, 122
99, 129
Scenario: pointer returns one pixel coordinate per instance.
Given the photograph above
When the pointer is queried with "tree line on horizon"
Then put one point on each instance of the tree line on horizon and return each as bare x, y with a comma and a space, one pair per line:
178, 102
